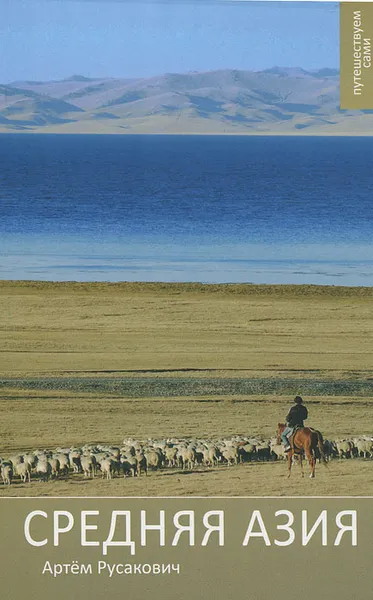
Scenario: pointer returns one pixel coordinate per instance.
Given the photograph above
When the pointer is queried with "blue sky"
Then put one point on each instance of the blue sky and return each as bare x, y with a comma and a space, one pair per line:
54, 39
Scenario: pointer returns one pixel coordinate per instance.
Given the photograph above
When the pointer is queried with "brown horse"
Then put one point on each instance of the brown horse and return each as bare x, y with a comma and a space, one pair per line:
304, 441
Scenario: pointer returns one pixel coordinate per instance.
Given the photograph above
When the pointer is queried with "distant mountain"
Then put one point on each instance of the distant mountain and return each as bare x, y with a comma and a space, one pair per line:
288, 71
325, 73
23, 109
279, 100
79, 78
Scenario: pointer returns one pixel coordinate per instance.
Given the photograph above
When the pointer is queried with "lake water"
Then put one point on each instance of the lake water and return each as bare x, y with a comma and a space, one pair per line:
187, 208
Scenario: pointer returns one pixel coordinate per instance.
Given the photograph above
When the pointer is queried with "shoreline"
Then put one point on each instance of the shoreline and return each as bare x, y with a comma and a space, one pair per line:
196, 133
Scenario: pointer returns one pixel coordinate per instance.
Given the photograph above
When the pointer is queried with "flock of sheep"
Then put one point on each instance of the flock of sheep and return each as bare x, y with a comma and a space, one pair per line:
135, 457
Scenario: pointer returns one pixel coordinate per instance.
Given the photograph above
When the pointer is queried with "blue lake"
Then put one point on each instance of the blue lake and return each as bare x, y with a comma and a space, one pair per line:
187, 208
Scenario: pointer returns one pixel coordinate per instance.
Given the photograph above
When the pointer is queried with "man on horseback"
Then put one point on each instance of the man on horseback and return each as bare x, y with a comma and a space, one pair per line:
295, 417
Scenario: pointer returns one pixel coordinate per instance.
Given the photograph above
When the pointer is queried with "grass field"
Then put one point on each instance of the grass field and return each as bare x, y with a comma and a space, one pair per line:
90, 363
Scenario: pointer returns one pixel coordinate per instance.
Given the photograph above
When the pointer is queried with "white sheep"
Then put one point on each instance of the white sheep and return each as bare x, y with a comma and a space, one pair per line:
23, 470
7, 473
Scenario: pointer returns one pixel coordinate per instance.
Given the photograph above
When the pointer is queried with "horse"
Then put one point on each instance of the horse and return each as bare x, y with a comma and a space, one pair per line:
304, 441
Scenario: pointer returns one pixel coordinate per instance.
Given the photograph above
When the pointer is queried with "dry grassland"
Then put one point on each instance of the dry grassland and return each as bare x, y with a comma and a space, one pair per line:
156, 331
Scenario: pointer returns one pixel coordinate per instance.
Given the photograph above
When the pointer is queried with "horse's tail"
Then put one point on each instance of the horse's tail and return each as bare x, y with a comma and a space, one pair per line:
320, 446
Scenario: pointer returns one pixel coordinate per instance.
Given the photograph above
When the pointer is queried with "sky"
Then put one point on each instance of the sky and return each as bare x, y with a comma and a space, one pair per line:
54, 39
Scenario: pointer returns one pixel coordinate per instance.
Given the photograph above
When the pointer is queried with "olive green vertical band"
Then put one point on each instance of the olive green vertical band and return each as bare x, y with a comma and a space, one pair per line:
356, 40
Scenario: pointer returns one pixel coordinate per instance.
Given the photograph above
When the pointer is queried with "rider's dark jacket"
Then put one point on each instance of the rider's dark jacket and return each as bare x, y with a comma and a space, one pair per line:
296, 415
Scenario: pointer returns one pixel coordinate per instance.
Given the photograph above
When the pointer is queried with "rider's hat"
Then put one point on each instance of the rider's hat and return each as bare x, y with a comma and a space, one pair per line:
298, 400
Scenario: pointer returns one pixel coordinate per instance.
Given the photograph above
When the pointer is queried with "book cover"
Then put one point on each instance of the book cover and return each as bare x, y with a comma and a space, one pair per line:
186, 269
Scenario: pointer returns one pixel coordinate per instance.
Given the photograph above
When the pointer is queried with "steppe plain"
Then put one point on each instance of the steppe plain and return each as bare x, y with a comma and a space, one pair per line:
97, 363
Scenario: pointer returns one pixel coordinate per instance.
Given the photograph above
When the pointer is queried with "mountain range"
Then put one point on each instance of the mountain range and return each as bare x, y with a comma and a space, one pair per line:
273, 101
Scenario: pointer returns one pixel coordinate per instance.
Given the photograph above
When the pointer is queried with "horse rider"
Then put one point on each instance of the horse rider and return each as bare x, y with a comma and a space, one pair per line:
295, 417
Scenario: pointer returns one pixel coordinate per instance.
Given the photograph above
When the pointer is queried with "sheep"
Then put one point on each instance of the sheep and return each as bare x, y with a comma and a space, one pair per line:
171, 456
263, 451
330, 449
115, 465
211, 456
64, 462
344, 448
16, 459
278, 451
115, 453
188, 457
199, 455
55, 466
364, 447
142, 465
7, 473
41, 456
129, 466
106, 465
128, 450
246, 451
230, 455
44, 469
23, 470
99, 456
153, 459
30, 459
88, 465
136, 456
74, 458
